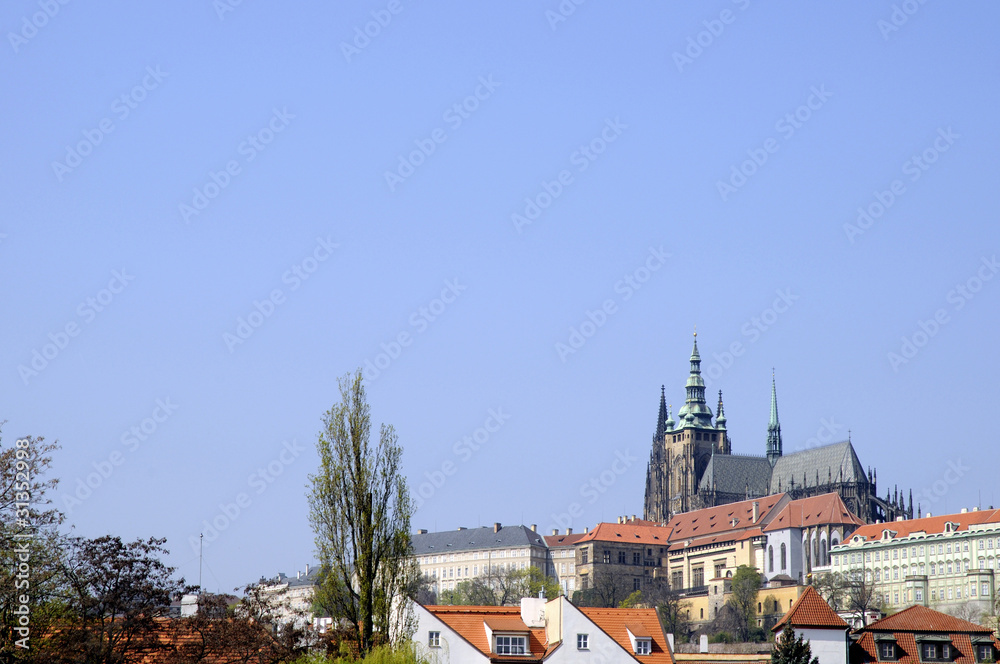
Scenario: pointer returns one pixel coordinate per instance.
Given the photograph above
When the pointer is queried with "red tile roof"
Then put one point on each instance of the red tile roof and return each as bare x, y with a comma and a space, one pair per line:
615, 622
921, 619
468, 622
811, 610
631, 532
824, 509
905, 627
715, 520
928, 524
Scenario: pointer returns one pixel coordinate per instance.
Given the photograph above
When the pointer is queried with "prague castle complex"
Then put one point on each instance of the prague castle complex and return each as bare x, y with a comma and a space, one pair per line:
691, 465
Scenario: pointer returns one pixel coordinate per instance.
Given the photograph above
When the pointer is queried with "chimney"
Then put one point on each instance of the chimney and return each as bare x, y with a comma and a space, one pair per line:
633, 517
569, 531
965, 510
928, 515
461, 528
307, 569
975, 509
586, 529
899, 518
756, 511
534, 528
555, 531
298, 575
496, 527
422, 531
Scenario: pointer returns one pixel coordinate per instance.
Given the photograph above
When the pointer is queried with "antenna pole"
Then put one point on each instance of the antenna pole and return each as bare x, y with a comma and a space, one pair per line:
201, 548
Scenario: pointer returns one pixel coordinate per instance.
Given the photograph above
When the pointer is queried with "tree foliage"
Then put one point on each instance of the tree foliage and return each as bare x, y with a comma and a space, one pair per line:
791, 650
360, 511
743, 600
500, 586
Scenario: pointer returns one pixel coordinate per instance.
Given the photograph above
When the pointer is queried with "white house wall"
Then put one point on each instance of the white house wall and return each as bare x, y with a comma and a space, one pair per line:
453, 649
829, 645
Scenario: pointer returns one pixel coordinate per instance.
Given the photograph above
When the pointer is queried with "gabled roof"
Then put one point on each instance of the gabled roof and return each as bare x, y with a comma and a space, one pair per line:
712, 521
736, 473
811, 610
471, 539
922, 619
906, 629
628, 533
929, 524
837, 462
470, 622
825, 509
616, 623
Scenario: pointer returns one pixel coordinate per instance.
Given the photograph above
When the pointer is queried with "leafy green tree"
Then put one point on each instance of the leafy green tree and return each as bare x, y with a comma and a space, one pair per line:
792, 650
674, 612
743, 600
360, 510
502, 587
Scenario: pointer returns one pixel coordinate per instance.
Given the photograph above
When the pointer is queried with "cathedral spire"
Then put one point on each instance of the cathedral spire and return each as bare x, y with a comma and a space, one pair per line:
695, 411
661, 418
773, 427
720, 419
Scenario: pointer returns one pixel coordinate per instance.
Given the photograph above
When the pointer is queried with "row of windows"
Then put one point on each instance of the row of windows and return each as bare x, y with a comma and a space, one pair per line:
921, 550
934, 652
459, 572
476, 555
714, 437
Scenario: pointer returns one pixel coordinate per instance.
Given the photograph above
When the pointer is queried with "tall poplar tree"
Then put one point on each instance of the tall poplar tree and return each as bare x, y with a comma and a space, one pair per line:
360, 511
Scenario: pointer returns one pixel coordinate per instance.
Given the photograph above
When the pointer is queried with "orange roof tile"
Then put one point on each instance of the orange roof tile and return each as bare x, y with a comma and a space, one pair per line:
928, 524
922, 619
715, 520
827, 508
628, 532
811, 610
615, 622
468, 622
908, 623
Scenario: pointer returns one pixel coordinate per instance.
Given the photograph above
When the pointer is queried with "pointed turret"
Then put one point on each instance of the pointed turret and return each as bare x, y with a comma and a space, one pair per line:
720, 418
773, 427
695, 411
661, 417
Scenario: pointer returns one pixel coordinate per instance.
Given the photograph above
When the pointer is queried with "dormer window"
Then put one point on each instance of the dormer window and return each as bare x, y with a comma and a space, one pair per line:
887, 651
643, 646
984, 651
511, 644
934, 648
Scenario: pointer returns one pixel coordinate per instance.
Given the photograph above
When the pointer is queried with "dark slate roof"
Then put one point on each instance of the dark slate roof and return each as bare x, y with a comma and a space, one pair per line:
470, 539
309, 579
731, 473
838, 461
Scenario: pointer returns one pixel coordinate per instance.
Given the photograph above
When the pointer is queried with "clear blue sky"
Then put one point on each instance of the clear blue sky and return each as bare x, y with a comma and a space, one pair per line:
615, 122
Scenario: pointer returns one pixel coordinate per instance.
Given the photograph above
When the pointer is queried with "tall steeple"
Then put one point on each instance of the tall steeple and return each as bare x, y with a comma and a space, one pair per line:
695, 411
720, 414
773, 427
661, 420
